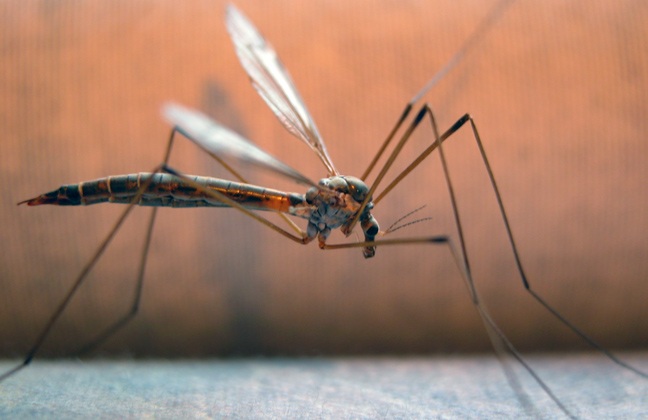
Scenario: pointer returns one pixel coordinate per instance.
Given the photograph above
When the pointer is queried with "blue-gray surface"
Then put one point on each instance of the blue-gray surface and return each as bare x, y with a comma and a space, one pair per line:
462, 387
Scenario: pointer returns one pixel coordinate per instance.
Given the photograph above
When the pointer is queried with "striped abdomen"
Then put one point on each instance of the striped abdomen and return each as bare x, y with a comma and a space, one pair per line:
167, 191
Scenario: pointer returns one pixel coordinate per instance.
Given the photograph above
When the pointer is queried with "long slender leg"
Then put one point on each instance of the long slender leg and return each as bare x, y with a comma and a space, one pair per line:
514, 248
218, 196
108, 332
123, 320
231, 170
66, 300
390, 137
86, 270
478, 34
463, 260
455, 127
497, 337
348, 227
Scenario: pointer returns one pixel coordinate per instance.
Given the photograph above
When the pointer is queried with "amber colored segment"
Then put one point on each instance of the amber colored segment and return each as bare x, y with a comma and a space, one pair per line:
166, 190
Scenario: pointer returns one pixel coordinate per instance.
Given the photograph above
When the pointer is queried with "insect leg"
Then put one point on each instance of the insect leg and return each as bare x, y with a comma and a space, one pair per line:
108, 332
495, 334
463, 259
231, 170
478, 34
134, 307
498, 339
514, 248
80, 279
218, 196
348, 227
84, 274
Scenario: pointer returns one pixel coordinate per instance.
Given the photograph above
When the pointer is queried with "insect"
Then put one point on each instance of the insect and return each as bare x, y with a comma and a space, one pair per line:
337, 202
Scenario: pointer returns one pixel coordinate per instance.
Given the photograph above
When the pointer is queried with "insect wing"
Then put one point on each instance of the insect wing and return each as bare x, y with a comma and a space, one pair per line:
272, 81
219, 140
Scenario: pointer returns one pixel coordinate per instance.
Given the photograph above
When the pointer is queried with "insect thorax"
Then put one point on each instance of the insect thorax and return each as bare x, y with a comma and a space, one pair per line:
335, 206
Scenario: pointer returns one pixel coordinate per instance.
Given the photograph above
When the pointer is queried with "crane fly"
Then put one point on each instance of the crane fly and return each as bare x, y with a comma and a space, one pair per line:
335, 202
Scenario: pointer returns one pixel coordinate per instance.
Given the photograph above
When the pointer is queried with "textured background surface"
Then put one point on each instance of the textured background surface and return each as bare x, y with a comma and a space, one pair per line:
558, 92
445, 387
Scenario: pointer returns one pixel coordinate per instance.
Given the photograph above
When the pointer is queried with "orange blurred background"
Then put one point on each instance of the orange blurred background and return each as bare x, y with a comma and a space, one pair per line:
558, 91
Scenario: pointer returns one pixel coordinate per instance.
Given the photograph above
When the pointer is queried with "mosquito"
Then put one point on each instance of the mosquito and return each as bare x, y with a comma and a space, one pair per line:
335, 202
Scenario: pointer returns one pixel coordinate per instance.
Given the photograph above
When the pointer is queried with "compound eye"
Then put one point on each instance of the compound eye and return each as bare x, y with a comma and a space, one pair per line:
311, 194
370, 227
337, 183
357, 189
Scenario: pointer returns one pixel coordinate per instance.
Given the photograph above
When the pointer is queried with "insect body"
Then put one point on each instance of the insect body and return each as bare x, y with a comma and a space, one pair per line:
336, 205
166, 190
329, 206
336, 201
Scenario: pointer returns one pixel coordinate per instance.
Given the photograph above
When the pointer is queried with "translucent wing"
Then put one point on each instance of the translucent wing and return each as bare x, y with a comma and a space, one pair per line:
271, 80
220, 141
